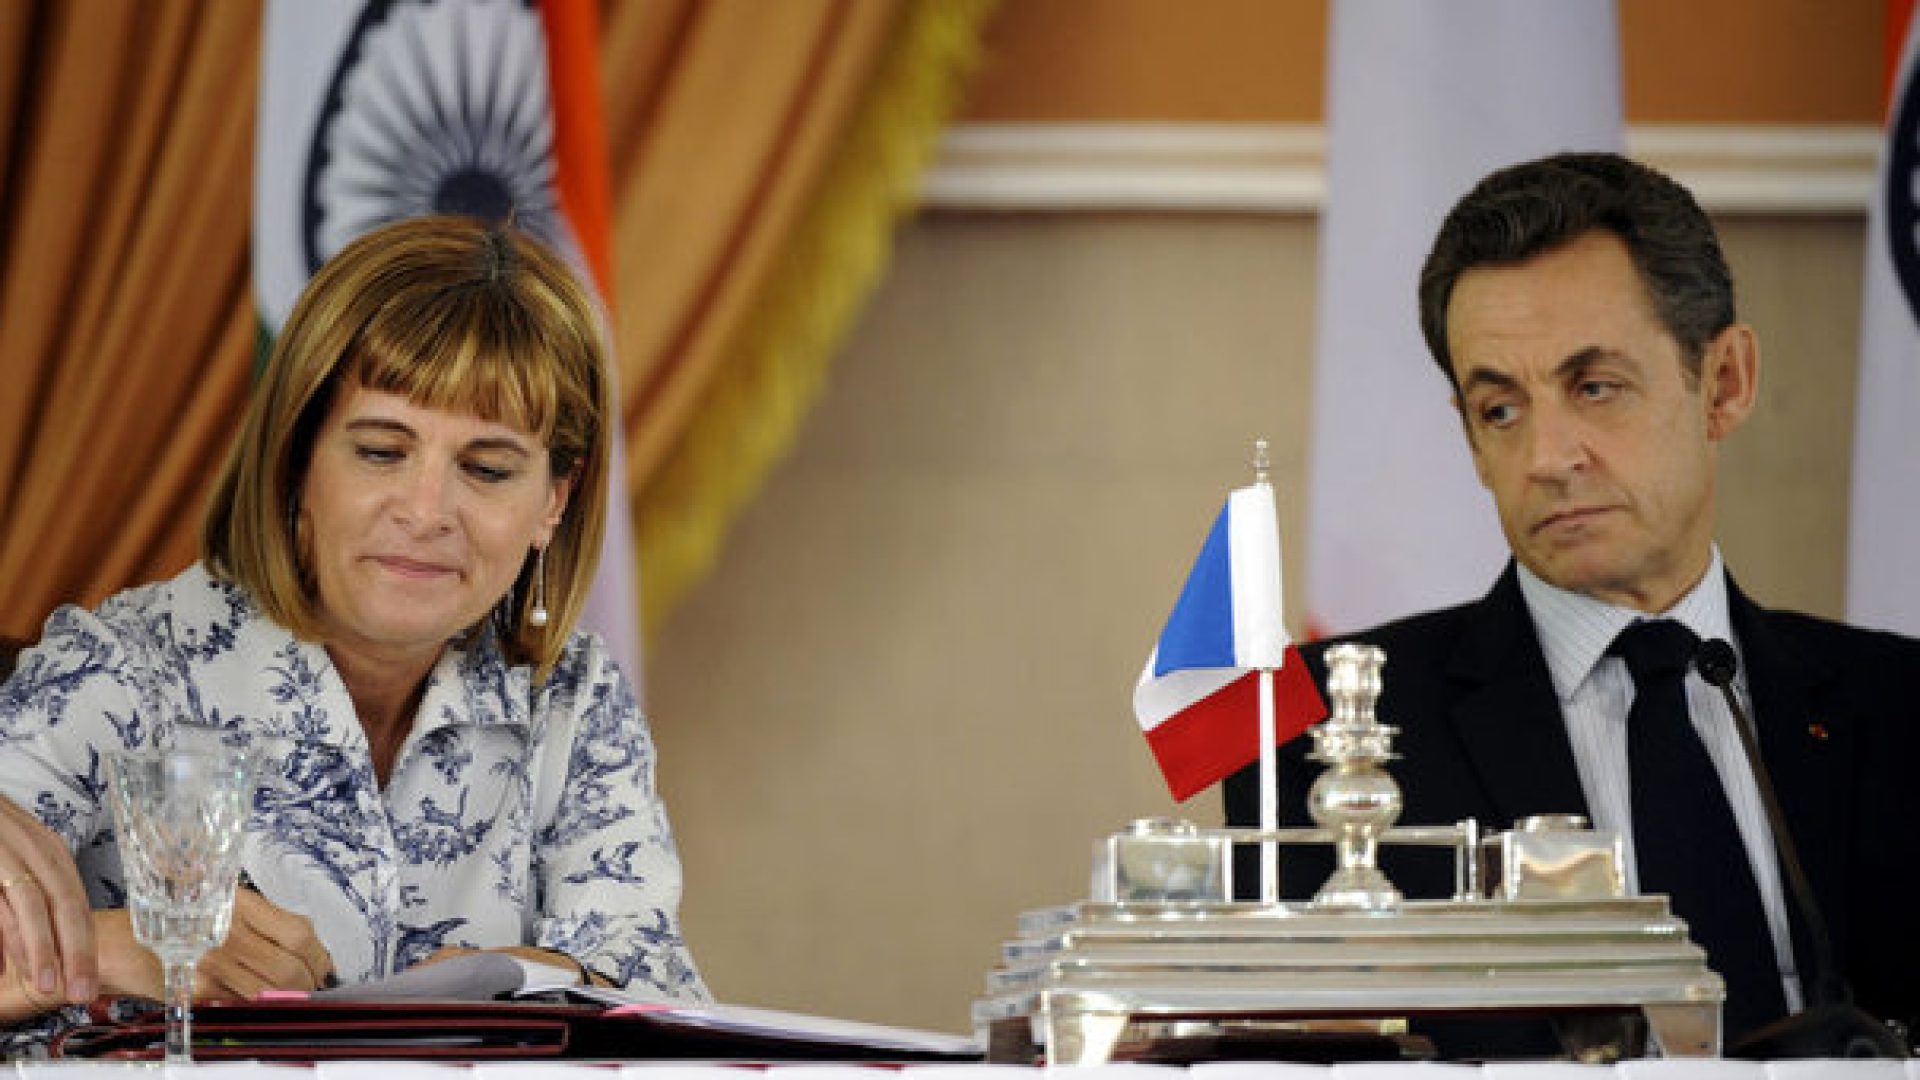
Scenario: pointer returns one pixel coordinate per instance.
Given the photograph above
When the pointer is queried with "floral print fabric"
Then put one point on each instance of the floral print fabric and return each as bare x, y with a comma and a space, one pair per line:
514, 814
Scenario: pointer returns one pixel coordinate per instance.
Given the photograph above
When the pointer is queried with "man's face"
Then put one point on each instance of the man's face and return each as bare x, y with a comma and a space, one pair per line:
1597, 445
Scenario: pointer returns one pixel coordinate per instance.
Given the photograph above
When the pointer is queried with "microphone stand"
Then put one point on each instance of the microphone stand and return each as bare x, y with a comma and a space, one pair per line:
1830, 1025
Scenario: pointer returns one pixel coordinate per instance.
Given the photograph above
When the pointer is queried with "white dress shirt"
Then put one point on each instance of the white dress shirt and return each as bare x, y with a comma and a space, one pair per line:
1595, 692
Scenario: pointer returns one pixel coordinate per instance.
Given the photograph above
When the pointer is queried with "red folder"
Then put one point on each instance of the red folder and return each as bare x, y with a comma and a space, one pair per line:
322, 1030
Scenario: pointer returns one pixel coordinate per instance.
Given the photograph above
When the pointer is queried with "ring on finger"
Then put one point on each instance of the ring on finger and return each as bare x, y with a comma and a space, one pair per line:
18, 879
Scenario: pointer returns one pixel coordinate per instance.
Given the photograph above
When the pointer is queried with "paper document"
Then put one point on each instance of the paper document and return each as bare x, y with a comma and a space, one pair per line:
485, 976
476, 976
777, 1024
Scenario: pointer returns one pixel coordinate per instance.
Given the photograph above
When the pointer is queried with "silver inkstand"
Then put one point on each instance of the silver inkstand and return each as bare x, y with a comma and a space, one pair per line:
1161, 963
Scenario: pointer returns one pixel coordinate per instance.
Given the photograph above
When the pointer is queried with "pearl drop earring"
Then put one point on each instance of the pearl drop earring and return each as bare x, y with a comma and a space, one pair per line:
537, 618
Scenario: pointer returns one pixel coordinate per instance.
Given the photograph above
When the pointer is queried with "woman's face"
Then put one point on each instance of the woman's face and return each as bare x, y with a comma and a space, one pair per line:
415, 521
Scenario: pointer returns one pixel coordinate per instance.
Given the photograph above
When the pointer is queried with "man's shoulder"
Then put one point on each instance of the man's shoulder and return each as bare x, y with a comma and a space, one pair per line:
1837, 641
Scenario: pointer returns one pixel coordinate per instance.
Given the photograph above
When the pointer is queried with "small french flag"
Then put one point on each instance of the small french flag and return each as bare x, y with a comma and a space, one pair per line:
1198, 699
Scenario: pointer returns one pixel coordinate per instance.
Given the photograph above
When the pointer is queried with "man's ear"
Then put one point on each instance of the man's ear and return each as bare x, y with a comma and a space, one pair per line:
1729, 379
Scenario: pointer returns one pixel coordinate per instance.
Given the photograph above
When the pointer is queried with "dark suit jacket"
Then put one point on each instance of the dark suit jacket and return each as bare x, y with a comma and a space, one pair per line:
1481, 736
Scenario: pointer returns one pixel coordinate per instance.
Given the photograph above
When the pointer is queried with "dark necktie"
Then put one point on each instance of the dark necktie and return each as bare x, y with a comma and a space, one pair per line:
1685, 841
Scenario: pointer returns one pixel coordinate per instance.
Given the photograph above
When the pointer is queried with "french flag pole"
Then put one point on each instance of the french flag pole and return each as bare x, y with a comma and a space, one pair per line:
1224, 684
1269, 761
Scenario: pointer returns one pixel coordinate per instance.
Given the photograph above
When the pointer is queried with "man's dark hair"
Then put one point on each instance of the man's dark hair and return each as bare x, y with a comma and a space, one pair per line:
1527, 209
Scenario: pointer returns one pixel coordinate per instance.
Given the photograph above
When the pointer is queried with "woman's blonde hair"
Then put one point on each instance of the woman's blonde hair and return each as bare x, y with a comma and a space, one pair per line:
454, 313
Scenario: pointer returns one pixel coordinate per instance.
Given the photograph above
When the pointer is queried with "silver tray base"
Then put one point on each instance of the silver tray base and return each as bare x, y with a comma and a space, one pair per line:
1096, 982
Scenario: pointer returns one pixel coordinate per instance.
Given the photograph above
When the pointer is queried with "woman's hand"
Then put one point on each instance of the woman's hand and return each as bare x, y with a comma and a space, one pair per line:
45, 922
267, 948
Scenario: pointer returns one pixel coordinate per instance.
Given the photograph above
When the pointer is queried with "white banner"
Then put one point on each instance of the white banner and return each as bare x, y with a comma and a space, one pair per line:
1424, 98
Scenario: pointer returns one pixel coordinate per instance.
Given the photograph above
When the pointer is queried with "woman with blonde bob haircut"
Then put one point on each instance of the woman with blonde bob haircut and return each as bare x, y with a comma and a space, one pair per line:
394, 559
451, 314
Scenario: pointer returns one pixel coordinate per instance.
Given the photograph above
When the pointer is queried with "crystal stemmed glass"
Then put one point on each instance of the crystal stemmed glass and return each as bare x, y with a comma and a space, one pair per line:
180, 816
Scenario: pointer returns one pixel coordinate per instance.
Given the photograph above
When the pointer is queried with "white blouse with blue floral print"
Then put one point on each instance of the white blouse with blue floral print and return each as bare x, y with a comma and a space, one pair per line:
515, 815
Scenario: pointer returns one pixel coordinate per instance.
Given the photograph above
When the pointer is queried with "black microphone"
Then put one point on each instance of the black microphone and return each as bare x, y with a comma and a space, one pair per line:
1830, 1025
1718, 665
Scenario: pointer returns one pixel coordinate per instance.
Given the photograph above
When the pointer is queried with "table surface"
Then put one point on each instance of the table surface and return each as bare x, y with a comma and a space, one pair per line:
534, 1070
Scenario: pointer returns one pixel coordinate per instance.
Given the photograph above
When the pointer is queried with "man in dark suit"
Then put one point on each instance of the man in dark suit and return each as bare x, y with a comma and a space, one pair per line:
1582, 312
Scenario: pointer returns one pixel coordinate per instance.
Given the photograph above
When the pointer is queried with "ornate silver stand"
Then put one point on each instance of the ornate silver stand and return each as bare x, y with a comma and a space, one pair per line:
1355, 799
1163, 964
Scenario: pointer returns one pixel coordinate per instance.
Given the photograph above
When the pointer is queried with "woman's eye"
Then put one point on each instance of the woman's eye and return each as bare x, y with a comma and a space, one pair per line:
489, 474
379, 455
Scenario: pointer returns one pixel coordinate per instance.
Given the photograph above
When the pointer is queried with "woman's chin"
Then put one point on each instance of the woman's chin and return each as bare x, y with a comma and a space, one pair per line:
405, 629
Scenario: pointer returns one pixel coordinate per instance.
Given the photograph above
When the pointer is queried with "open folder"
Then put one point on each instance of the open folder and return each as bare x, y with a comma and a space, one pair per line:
488, 1006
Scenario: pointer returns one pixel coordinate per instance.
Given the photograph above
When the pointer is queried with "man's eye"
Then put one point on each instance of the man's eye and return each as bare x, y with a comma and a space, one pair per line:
1499, 414
1598, 389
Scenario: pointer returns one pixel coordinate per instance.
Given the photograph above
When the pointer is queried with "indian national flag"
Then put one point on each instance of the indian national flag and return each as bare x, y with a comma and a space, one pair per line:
384, 109
1884, 530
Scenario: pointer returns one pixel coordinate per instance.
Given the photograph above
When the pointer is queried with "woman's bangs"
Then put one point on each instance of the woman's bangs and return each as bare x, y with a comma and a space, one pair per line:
474, 358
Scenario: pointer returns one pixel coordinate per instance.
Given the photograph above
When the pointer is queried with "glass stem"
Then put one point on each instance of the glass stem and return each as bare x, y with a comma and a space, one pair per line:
180, 1011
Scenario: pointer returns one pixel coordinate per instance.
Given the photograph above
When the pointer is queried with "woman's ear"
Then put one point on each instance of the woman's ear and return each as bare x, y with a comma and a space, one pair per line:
557, 497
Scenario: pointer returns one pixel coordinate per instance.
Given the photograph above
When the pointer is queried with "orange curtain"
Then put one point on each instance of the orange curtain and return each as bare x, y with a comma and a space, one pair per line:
125, 332
741, 132
761, 155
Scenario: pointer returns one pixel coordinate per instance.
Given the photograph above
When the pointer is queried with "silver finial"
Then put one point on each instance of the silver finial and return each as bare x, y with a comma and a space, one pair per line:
1261, 463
